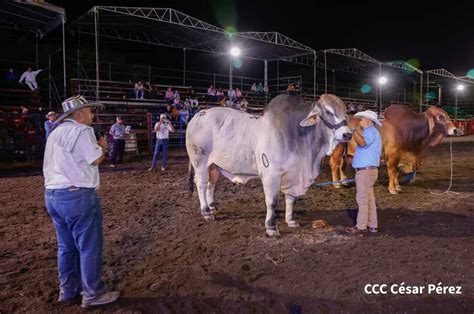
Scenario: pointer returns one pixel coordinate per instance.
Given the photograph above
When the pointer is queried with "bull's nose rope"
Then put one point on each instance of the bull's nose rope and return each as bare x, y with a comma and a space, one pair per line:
451, 179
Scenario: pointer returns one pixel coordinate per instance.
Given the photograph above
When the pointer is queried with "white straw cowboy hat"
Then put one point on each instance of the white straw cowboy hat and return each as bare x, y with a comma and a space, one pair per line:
369, 114
74, 104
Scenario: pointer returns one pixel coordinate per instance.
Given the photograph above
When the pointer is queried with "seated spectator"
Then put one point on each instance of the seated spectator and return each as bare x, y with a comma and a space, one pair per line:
265, 89
12, 78
177, 103
253, 88
238, 94
169, 95
260, 89
168, 112
31, 140
174, 113
193, 103
231, 95
139, 90
184, 114
351, 108
211, 91
223, 103
244, 104
176, 94
220, 93
29, 77
291, 89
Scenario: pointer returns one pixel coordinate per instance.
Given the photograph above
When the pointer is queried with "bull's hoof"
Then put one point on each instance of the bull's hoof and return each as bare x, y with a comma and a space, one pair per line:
399, 188
209, 217
393, 191
293, 224
337, 185
273, 232
212, 210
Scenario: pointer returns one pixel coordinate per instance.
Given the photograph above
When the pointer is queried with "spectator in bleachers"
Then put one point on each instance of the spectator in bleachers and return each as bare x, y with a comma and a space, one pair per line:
351, 108
31, 140
291, 89
49, 124
211, 91
265, 89
29, 77
238, 94
253, 88
139, 90
184, 114
222, 102
12, 78
231, 95
244, 104
220, 94
193, 104
168, 112
118, 147
260, 88
169, 95
162, 129
176, 94
24, 111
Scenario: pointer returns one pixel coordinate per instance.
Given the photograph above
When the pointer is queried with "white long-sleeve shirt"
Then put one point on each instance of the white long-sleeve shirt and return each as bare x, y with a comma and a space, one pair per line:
29, 76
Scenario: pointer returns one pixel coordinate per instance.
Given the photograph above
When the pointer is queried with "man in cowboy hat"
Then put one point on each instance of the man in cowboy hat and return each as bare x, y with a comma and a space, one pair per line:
71, 174
366, 161
49, 124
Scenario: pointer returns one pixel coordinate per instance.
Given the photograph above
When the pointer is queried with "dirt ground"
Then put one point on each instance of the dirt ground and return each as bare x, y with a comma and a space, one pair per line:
164, 258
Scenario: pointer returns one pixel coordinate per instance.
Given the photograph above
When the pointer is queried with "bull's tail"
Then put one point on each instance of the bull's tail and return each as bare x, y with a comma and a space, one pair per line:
190, 179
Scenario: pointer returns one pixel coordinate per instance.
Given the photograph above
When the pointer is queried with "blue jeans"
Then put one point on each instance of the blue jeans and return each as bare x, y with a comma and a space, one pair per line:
77, 218
160, 146
138, 93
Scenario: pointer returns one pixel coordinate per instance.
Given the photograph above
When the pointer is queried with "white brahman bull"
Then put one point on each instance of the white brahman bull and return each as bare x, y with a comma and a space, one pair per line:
284, 147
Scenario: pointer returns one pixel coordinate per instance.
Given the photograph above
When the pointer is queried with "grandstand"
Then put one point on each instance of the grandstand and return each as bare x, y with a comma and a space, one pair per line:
279, 60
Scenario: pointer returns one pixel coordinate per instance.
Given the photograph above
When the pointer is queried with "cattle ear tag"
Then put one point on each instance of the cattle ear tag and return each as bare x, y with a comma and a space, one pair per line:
312, 118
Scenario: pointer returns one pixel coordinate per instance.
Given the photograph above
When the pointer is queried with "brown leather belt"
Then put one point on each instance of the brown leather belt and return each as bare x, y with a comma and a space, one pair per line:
365, 168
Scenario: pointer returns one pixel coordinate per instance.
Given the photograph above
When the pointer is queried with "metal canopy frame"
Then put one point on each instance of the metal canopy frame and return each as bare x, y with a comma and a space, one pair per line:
171, 28
356, 54
37, 17
445, 75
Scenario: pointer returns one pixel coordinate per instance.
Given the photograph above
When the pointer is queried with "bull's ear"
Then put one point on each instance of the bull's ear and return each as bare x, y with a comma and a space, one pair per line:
431, 123
312, 118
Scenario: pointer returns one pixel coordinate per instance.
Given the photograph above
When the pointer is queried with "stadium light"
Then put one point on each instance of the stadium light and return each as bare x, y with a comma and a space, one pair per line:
382, 80
460, 87
235, 52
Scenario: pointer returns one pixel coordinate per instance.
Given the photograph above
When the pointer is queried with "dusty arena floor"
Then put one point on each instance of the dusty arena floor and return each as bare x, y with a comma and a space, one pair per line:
165, 259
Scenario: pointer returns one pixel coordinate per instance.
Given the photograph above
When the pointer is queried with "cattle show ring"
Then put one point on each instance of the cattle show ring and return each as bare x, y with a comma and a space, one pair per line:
166, 164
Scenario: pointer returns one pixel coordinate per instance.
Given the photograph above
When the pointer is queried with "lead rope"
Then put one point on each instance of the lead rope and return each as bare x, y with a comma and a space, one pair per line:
451, 179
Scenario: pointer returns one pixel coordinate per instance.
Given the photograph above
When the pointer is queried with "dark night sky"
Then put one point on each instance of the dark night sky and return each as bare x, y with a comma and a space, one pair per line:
439, 35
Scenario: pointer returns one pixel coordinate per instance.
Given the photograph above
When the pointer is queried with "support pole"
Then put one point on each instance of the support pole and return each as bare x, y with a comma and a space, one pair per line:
49, 80
278, 77
184, 66
314, 74
37, 54
265, 72
96, 27
421, 92
64, 59
325, 74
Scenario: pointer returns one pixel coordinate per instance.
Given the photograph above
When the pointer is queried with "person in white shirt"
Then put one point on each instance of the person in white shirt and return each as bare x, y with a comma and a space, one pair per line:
29, 77
71, 175
162, 129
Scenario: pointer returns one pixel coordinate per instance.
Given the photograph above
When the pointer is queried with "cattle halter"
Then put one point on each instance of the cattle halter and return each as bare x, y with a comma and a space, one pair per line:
334, 126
